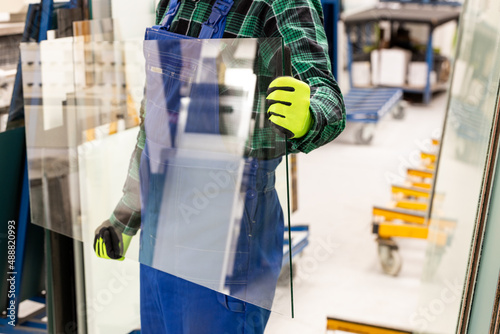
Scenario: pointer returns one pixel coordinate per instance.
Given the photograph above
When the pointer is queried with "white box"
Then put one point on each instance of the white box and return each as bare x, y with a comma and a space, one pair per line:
375, 62
417, 75
394, 67
361, 74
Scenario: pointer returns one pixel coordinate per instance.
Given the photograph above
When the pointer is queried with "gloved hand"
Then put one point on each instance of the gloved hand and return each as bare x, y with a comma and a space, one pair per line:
109, 243
289, 101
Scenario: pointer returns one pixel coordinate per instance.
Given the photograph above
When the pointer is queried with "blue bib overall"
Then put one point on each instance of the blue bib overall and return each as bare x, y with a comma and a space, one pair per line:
170, 304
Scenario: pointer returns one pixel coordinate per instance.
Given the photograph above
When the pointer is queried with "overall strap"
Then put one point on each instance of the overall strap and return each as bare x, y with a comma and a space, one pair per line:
169, 16
214, 27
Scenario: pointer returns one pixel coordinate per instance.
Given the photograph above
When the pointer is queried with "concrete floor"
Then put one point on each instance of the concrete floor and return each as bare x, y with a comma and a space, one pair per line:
339, 274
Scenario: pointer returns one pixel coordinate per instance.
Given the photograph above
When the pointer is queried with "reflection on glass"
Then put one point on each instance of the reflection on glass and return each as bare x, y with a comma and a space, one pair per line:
95, 30
210, 213
459, 180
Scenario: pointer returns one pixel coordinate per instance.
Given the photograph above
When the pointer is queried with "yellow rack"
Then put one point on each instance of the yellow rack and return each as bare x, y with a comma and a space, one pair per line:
395, 214
333, 324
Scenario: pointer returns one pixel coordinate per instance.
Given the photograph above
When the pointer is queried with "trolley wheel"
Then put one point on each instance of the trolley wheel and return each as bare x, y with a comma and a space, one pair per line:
390, 259
364, 134
398, 112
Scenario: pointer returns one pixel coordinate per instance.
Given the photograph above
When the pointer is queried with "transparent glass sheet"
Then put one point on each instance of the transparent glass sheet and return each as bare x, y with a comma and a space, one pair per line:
463, 159
210, 166
96, 30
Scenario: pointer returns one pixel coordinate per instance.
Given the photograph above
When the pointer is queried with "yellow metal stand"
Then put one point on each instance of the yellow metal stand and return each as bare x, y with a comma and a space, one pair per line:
428, 156
403, 215
333, 324
408, 192
423, 173
422, 185
389, 230
408, 218
412, 205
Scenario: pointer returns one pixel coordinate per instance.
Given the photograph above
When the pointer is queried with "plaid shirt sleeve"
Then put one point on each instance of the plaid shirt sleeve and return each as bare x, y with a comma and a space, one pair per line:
300, 24
126, 217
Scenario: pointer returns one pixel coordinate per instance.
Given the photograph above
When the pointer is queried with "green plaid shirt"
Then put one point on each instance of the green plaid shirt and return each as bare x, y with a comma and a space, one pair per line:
300, 24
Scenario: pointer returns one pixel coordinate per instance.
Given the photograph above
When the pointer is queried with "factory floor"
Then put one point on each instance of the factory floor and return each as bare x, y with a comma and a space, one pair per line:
339, 273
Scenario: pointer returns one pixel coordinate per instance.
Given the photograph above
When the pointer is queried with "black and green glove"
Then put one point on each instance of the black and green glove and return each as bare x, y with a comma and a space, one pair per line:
109, 243
289, 100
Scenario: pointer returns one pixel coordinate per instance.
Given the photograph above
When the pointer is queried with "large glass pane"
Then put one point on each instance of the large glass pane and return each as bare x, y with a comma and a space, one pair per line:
112, 287
48, 77
460, 174
210, 164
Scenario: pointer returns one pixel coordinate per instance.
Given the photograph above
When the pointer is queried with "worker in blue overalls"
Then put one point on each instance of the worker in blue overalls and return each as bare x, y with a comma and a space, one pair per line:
306, 108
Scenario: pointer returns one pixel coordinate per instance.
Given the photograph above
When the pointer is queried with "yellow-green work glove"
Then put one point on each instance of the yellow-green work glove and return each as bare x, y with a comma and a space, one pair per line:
109, 243
289, 100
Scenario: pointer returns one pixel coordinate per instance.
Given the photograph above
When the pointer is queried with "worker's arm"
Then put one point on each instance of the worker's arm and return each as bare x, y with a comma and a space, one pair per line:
299, 23
125, 220
127, 215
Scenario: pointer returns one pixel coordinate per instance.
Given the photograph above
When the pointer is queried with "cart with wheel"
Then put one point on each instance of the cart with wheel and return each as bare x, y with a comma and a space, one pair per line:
369, 105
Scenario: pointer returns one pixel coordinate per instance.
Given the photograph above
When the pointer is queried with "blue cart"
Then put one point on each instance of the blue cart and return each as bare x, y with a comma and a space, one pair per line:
369, 105
300, 239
